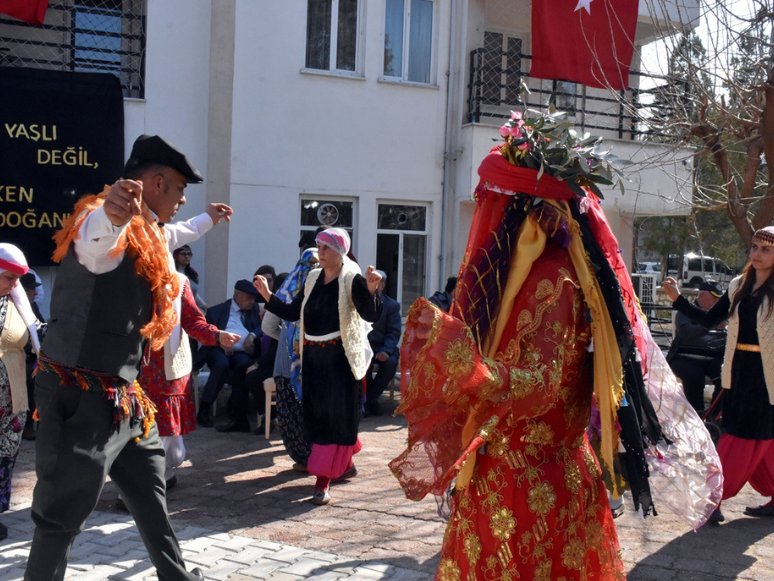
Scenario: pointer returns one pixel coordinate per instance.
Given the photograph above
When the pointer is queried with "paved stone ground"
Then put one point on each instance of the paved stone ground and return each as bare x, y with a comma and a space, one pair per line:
242, 513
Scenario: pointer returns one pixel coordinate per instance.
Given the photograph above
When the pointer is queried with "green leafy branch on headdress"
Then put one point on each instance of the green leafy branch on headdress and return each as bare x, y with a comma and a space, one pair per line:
546, 142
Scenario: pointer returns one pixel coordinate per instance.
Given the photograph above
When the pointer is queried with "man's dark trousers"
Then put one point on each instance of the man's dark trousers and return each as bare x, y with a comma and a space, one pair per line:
76, 449
694, 373
220, 366
376, 384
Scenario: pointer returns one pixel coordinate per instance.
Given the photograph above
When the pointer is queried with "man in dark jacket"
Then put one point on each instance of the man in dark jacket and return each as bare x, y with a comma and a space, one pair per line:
697, 352
241, 316
384, 339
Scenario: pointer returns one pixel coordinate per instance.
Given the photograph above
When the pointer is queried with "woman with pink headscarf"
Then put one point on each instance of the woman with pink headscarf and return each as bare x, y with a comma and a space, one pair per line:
18, 325
332, 307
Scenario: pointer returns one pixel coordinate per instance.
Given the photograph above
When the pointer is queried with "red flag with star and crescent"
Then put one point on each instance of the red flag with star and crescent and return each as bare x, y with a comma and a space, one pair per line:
585, 41
32, 11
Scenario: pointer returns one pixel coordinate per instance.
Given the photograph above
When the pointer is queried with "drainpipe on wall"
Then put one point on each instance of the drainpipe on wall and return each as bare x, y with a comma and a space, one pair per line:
456, 45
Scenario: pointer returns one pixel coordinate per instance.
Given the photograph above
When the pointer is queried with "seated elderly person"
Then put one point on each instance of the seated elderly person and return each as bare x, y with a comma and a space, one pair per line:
384, 339
240, 316
697, 352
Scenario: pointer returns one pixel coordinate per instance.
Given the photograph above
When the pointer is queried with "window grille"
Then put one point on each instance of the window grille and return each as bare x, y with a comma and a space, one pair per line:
97, 36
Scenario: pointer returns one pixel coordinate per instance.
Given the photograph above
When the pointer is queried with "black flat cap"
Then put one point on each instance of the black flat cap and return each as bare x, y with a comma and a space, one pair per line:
156, 149
246, 286
28, 281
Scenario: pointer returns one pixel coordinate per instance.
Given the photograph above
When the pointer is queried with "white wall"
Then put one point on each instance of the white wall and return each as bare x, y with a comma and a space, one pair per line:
175, 104
300, 132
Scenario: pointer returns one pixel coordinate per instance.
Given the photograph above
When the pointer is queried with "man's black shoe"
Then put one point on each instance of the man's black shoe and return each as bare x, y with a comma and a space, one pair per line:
171, 483
234, 426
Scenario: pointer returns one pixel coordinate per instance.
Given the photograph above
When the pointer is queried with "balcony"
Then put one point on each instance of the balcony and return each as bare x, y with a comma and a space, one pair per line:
662, 172
493, 91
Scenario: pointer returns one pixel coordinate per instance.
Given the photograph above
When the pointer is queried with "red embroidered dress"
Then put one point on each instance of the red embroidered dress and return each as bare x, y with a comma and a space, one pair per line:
535, 506
176, 412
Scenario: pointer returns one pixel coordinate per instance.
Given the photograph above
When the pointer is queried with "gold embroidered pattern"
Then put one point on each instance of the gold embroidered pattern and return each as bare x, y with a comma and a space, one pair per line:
545, 289
472, 548
448, 571
574, 554
502, 524
541, 498
524, 319
538, 433
543, 571
459, 359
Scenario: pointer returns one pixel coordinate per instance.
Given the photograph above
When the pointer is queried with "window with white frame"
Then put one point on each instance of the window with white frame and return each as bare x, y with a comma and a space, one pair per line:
332, 35
408, 39
401, 251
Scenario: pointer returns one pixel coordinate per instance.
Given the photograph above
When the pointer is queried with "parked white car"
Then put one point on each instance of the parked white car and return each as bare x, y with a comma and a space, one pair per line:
695, 269
650, 268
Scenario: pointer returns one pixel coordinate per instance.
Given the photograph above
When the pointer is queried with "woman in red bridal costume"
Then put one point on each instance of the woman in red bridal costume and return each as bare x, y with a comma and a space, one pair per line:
498, 393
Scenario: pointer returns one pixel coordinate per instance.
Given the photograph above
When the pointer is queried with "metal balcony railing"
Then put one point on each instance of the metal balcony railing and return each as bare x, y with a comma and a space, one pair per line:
493, 90
102, 36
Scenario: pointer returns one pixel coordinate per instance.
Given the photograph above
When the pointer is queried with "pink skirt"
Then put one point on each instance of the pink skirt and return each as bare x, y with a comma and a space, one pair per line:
332, 460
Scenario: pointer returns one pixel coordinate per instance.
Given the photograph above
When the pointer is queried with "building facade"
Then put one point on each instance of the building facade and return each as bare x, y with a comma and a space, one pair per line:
371, 115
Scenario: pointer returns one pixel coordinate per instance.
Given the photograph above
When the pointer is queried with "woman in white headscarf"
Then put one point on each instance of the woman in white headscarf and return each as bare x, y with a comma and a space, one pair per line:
18, 325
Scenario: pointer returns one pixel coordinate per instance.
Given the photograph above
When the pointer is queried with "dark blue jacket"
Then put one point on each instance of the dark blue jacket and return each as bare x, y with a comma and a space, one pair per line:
386, 331
218, 316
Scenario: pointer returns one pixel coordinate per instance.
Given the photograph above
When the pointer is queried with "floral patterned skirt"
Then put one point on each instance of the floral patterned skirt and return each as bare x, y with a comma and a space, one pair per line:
290, 417
531, 512
11, 426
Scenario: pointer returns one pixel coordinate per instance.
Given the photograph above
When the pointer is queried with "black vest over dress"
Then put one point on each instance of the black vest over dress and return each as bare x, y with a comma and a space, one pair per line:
96, 318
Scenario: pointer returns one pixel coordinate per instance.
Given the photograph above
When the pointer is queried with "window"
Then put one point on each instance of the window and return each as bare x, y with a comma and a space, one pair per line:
563, 96
408, 39
401, 249
99, 36
329, 213
332, 35
97, 43
501, 69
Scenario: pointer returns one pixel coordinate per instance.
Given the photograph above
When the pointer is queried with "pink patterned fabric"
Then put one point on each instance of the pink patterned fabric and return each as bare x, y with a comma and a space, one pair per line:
336, 239
332, 460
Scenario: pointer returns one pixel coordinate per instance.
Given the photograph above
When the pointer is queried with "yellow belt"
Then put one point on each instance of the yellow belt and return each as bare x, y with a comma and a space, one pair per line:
748, 347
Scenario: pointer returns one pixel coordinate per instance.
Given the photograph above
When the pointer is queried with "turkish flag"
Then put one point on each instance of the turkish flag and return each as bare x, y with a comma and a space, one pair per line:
32, 11
586, 41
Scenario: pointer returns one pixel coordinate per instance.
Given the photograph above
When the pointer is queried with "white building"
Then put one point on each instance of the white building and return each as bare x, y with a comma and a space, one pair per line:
367, 114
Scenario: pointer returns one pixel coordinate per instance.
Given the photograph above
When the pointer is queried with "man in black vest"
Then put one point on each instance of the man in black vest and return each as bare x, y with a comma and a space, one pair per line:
112, 292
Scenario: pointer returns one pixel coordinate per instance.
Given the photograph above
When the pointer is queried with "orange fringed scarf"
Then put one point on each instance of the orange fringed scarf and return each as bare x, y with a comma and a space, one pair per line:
146, 243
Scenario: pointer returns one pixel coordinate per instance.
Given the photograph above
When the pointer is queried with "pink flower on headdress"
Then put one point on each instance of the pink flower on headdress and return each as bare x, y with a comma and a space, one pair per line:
524, 146
515, 132
505, 131
516, 115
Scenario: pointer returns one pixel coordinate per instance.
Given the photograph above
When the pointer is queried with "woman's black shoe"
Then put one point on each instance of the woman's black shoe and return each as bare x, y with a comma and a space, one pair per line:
716, 517
765, 510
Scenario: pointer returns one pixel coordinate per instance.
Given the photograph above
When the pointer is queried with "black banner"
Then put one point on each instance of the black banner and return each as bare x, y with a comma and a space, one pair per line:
61, 136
